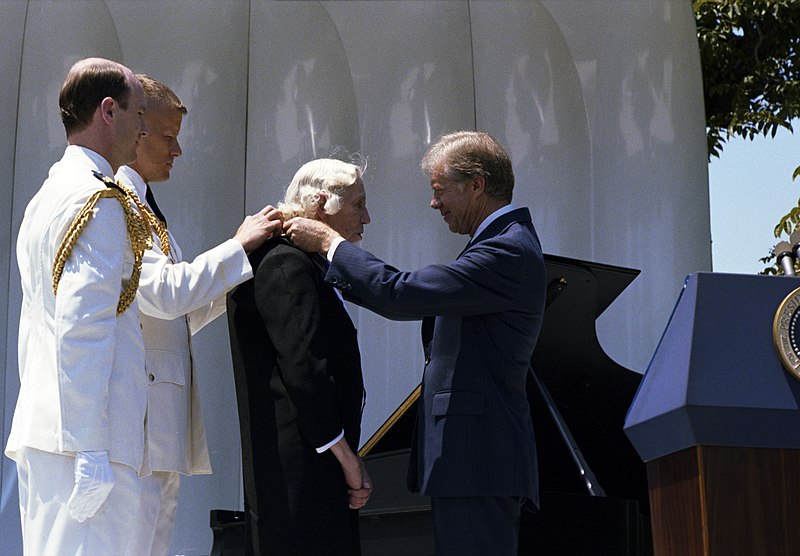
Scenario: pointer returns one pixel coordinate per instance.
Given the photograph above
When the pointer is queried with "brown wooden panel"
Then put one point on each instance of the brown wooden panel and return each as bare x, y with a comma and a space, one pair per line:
725, 501
677, 504
746, 500
791, 493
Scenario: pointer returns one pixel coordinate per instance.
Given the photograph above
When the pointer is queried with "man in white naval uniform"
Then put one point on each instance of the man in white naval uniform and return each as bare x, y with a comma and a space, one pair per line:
176, 299
77, 426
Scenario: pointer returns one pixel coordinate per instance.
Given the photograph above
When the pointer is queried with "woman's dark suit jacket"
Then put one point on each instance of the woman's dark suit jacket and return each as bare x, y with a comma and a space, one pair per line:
298, 383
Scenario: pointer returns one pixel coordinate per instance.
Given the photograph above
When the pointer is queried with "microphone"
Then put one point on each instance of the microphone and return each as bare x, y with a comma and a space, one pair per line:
794, 241
785, 257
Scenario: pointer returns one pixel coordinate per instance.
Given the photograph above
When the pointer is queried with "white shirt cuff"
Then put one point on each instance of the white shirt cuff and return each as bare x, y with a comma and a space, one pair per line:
334, 244
331, 443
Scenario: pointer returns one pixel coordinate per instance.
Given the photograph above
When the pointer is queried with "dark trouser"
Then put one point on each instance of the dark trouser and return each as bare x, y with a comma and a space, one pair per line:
476, 526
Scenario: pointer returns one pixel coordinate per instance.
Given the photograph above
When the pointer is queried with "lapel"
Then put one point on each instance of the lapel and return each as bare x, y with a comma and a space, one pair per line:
498, 225
321, 262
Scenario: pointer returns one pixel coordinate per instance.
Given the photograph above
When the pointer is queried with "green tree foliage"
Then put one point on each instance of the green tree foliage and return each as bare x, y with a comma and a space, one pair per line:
750, 55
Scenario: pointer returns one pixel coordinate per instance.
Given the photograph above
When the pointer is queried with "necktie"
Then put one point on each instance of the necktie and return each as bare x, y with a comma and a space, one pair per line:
153, 205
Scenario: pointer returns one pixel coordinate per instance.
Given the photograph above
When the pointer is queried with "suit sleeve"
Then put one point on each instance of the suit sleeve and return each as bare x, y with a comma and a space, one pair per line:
288, 303
170, 290
487, 275
85, 327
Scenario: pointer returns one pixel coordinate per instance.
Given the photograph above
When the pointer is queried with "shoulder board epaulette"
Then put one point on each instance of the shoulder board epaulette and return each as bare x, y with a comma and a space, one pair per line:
106, 180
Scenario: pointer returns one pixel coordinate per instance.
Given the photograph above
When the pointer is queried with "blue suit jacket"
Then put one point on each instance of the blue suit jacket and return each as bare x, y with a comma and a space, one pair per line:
474, 431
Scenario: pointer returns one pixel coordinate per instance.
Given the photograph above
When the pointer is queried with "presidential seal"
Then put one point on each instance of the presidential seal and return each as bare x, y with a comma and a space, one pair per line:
786, 332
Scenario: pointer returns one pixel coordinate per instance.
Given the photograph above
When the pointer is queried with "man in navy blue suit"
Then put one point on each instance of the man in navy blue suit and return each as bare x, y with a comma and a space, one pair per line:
474, 453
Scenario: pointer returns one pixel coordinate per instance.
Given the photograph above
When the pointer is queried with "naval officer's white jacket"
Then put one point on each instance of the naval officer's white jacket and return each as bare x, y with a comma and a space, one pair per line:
176, 299
83, 384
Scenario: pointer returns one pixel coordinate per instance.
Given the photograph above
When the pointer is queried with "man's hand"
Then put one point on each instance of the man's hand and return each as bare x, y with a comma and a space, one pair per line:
359, 485
258, 228
311, 236
94, 480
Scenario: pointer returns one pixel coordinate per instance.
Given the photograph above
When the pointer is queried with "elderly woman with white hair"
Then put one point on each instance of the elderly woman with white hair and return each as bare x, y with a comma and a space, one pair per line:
298, 380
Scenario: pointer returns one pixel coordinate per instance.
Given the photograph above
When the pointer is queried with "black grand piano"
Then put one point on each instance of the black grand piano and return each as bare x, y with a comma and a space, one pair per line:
593, 485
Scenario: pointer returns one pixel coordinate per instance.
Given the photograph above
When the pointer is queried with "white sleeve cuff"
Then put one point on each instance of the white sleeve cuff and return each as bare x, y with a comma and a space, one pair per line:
331, 443
334, 244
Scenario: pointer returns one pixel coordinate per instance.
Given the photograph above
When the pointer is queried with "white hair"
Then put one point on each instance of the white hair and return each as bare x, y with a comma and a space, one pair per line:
324, 175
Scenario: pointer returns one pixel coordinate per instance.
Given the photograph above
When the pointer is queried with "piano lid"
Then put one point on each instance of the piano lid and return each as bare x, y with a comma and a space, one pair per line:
578, 292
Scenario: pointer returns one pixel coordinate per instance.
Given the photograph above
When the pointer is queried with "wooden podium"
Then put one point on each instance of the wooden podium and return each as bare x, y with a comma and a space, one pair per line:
717, 420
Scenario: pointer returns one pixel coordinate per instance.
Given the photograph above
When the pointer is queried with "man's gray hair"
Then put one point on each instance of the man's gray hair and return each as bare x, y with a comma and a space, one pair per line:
462, 155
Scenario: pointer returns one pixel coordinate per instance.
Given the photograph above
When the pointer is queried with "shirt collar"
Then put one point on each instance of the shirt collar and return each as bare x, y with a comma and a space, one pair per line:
131, 178
492, 217
95, 158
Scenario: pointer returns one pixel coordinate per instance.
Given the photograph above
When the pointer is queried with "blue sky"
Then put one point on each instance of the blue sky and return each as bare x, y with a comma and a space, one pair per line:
751, 188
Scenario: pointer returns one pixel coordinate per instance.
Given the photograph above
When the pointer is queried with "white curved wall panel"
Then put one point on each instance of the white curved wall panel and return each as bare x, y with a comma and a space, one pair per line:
301, 100
12, 25
599, 104
529, 97
649, 205
57, 34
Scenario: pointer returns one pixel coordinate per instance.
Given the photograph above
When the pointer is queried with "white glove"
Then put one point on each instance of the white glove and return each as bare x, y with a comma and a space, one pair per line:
93, 483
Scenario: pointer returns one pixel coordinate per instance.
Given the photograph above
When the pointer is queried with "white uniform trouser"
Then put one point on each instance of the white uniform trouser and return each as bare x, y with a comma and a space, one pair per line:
136, 519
